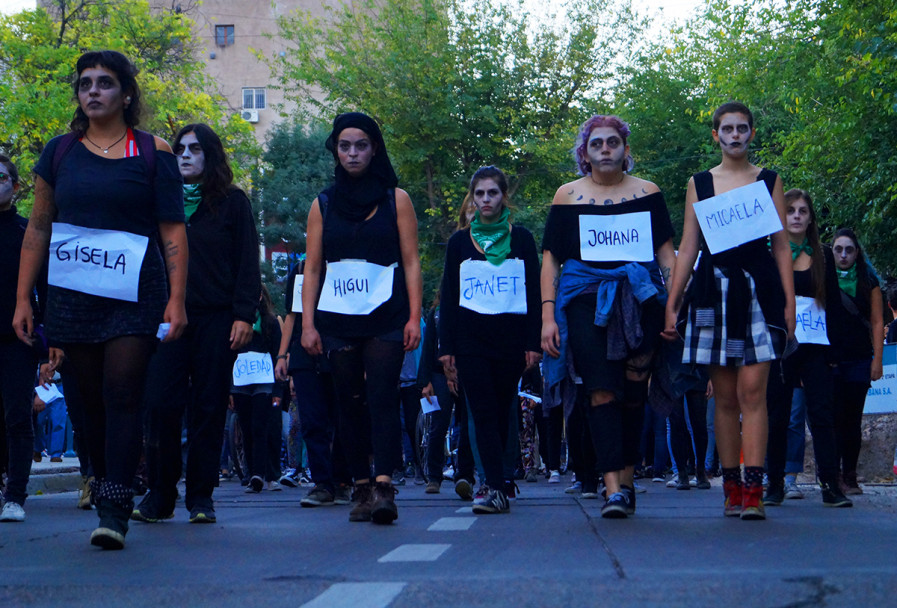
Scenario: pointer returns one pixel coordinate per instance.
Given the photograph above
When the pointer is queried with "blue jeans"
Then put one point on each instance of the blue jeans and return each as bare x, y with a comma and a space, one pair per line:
794, 462
54, 442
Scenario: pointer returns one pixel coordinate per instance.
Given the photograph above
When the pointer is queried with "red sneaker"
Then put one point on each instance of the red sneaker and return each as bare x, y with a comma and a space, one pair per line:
752, 504
734, 500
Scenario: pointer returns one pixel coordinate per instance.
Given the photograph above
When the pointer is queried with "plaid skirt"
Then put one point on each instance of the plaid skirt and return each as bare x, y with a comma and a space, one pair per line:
706, 339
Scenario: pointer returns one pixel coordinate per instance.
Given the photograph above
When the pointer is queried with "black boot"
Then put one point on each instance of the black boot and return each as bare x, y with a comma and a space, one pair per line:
114, 504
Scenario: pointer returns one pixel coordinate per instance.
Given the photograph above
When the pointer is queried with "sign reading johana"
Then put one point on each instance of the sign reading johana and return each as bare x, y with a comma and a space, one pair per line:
616, 238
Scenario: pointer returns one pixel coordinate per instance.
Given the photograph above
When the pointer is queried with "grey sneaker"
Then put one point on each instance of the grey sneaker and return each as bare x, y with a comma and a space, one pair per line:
792, 492
318, 496
342, 494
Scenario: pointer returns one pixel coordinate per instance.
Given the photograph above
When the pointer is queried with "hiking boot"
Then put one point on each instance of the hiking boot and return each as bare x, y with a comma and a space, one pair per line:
833, 497
362, 499
318, 496
734, 499
492, 501
616, 506
433, 487
383, 503
84, 494
775, 495
851, 486
464, 489
752, 503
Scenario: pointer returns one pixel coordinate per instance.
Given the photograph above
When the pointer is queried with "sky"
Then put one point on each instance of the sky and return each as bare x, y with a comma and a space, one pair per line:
15, 6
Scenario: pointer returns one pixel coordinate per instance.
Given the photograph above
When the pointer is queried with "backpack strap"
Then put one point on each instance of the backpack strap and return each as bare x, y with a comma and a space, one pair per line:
146, 144
62, 148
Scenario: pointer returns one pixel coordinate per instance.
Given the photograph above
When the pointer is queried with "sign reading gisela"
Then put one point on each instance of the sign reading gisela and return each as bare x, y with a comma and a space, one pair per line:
738, 216
98, 262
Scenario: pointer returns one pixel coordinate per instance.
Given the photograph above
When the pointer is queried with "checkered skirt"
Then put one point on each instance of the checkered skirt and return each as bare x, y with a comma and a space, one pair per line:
706, 339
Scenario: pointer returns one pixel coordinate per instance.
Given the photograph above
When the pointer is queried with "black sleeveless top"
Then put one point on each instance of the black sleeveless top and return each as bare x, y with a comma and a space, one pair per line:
374, 240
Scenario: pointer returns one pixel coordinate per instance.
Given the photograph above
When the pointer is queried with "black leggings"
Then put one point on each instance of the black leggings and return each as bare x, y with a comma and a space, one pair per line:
366, 381
254, 412
680, 442
111, 377
850, 398
491, 387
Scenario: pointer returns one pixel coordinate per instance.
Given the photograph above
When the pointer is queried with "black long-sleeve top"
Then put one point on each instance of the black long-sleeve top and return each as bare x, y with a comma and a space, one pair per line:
12, 233
429, 351
224, 258
465, 332
834, 311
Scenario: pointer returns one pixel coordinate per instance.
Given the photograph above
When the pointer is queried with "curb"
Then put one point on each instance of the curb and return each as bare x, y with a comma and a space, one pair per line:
53, 483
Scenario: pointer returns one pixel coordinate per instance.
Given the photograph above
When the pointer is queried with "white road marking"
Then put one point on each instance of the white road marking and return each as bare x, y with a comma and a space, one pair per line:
357, 595
468, 510
415, 553
449, 524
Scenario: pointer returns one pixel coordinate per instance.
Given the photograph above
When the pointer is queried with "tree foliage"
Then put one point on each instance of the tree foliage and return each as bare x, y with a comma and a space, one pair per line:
38, 51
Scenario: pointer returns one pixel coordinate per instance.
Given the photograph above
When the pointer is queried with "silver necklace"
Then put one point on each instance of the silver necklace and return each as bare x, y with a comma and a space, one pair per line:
106, 149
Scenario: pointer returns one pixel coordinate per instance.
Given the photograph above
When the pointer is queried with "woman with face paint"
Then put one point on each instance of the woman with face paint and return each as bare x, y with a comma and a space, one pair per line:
860, 349
818, 299
194, 374
489, 328
115, 191
361, 298
611, 233
738, 313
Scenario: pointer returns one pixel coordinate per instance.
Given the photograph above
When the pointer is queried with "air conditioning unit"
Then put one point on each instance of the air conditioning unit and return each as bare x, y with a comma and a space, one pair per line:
250, 115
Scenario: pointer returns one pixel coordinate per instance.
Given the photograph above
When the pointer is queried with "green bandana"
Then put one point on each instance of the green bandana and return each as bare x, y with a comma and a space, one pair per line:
494, 239
257, 326
796, 249
192, 199
847, 281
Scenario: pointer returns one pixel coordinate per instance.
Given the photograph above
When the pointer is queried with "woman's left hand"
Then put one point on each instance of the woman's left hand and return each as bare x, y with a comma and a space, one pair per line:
176, 316
240, 334
412, 334
532, 359
877, 371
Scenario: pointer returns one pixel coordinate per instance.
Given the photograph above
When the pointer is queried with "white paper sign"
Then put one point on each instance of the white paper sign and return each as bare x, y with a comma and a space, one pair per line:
810, 328
48, 395
355, 287
297, 293
616, 238
430, 405
738, 216
253, 368
492, 290
99, 262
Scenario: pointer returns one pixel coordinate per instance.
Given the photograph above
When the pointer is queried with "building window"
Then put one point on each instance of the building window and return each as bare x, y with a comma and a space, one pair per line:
224, 35
254, 99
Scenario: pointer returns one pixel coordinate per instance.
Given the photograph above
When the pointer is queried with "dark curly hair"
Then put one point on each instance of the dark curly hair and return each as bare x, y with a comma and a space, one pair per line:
125, 72
217, 176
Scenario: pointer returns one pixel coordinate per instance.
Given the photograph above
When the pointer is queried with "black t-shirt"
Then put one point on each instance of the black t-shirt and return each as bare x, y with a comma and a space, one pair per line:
561, 236
856, 337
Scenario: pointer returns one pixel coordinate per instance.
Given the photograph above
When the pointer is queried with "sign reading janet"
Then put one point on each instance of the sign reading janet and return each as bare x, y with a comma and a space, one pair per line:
297, 293
493, 290
356, 287
616, 238
810, 327
738, 216
253, 368
99, 262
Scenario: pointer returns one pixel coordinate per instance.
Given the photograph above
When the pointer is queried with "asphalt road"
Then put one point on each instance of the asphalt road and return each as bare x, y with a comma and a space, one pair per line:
551, 550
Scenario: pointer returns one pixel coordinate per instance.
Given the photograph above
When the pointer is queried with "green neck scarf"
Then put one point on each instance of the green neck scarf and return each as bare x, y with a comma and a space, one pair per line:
797, 249
192, 199
257, 326
494, 239
847, 281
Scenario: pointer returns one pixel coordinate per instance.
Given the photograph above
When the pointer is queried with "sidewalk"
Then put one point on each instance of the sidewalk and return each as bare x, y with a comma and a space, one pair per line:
52, 477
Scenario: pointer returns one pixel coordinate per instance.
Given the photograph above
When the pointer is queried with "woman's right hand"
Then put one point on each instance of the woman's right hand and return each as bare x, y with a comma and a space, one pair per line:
23, 322
551, 338
280, 370
671, 316
427, 391
311, 341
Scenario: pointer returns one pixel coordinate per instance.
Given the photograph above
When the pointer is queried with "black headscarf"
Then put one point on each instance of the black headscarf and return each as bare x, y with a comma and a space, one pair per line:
355, 198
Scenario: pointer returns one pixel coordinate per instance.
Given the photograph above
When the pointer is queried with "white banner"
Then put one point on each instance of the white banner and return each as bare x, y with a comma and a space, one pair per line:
297, 293
355, 287
493, 290
99, 262
738, 216
810, 327
616, 238
253, 368
882, 395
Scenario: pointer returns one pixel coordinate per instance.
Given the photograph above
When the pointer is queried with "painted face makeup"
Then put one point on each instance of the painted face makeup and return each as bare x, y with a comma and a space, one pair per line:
845, 252
606, 150
798, 218
191, 158
488, 199
99, 93
7, 188
734, 134
355, 151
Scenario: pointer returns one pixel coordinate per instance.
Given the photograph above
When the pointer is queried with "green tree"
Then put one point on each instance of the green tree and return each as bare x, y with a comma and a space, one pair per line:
38, 51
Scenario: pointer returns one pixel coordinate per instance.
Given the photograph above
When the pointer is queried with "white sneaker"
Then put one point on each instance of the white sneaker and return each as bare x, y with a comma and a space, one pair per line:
673, 482
792, 492
274, 486
554, 477
12, 511
639, 489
